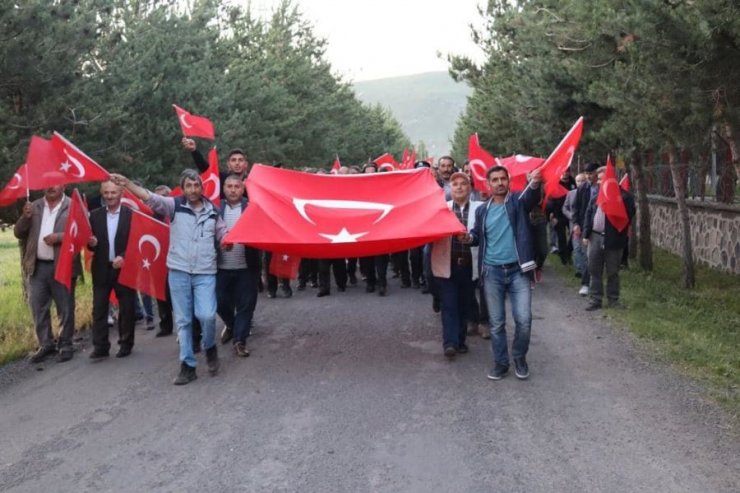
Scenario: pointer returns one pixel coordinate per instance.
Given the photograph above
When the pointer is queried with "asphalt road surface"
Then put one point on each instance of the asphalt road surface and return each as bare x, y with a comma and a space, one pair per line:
351, 393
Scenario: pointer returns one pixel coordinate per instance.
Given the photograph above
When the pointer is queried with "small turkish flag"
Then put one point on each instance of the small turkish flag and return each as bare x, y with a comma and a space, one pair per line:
309, 216
77, 232
559, 161
193, 125
610, 198
58, 162
284, 266
625, 183
335, 168
519, 166
132, 202
212, 179
480, 162
386, 161
16, 187
145, 266
408, 159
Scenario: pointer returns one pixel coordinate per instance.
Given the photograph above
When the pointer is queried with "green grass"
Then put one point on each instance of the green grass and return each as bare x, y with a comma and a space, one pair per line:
17, 336
695, 331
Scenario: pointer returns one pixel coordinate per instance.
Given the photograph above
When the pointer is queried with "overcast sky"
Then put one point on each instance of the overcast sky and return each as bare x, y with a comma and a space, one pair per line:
372, 39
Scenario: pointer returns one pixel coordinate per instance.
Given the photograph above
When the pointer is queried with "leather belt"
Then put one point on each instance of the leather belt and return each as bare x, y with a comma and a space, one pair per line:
507, 266
44, 261
462, 261
598, 233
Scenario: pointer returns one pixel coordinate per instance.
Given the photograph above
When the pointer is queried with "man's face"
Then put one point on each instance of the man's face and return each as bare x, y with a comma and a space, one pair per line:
600, 178
591, 177
445, 169
192, 190
52, 194
111, 194
370, 169
498, 182
580, 180
238, 164
466, 169
460, 189
233, 190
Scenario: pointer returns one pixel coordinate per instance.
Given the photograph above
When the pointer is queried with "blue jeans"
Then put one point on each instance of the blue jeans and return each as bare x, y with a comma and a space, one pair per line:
193, 294
498, 282
456, 303
236, 292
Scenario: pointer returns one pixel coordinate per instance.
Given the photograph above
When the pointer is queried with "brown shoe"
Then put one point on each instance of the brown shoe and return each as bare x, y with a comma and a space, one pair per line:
473, 329
240, 349
484, 332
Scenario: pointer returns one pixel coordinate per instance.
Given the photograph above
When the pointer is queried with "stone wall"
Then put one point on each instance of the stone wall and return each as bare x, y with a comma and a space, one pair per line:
715, 231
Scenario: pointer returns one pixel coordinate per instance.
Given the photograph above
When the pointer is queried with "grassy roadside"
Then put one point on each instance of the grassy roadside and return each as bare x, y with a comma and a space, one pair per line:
17, 336
697, 332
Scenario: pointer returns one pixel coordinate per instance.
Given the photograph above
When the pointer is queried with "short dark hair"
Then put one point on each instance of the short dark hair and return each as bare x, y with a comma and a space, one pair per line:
591, 167
236, 150
496, 169
422, 164
233, 177
447, 157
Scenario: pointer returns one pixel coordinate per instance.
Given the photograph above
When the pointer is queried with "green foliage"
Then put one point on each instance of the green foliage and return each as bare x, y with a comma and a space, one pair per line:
105, 73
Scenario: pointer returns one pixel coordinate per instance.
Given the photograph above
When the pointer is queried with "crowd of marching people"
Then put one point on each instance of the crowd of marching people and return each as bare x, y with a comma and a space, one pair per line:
468, 275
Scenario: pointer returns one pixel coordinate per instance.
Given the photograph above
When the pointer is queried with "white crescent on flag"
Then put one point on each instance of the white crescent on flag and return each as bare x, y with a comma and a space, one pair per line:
154, 242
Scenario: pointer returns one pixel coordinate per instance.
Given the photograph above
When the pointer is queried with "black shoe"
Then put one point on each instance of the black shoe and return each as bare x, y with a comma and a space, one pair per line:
369, 288
163, 333
314, 284
353, 280
212, 360
65, 354
435, 304
287, 292
123, 352
99, 354
462, 348
424, 289
381, 290
593, 306
301, 286
187, 375
271, 294
226, 335
498, 372
415, 284
521, 370
41, 354
322, 293
341, 289
450, 352
406, 284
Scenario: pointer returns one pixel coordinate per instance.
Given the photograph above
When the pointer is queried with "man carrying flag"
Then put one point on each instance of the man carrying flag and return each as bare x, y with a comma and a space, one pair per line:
41, 229
196, 230
605, 235
236, 162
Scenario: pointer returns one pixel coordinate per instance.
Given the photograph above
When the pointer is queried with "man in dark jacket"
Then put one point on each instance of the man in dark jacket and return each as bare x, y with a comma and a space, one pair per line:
505, 261
605, 244
110, 228
585, 193
236, 162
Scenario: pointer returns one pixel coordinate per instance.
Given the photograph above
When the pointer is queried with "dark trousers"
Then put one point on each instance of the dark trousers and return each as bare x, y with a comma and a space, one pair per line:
561, 233
103, 285
164, 308
375, 269
339, 267
272, 281
236, 295
401, 261
352, 268
600, 259
308, 271
43, 290
416, 258
455, 295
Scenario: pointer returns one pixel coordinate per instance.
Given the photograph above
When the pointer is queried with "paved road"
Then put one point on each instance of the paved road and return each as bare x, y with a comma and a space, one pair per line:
350, 393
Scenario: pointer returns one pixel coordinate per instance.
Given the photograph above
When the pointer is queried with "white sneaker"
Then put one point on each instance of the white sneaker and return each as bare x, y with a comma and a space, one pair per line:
583, 291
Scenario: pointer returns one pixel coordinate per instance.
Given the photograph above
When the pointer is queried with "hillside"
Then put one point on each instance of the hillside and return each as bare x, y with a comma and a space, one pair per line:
427, 105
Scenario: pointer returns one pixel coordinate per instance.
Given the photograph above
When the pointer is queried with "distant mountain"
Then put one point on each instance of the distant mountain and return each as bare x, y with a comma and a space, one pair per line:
427, 105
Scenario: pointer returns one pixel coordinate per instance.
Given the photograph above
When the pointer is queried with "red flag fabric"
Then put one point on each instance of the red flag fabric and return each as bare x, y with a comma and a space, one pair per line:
77, 232
480, 161
134, 203
559, 161
145, 265
336, 166
407, 160
308, 216
284, 266
58, 162
16, 187
519, 166
193, 125
625, 183
212, 179
610, 198
386, 161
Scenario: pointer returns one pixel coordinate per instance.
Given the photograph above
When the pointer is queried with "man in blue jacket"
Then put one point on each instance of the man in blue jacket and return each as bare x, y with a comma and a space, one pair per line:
506, 262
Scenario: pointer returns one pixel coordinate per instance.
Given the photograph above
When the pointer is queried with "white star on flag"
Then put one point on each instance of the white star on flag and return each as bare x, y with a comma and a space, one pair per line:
285, 258
146, 264
65, 166
343, 236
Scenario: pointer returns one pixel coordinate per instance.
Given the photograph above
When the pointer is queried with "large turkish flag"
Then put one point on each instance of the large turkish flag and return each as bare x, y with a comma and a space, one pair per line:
58, 162
610, 198
480, 162
145, 264
77, 232
322, 216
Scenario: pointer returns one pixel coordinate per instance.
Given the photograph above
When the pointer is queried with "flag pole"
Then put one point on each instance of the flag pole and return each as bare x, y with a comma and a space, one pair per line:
28, 189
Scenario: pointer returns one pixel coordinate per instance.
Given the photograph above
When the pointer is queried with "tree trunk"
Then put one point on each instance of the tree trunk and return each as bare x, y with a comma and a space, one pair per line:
643, 219
730, 137
679, 187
